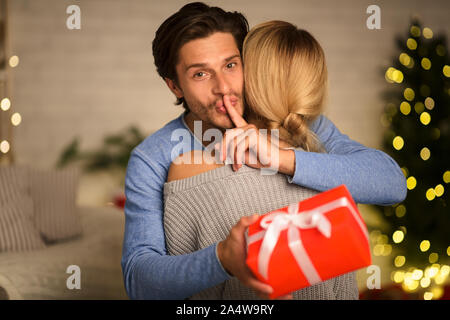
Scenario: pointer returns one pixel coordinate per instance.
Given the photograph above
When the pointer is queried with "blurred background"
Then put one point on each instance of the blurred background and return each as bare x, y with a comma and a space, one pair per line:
83, 98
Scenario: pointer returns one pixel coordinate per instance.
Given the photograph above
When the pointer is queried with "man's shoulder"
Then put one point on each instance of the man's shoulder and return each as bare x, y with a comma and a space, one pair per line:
161, 137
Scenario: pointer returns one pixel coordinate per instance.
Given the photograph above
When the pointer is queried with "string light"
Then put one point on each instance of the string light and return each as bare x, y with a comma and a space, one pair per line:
411, 183
387, 249
400, 211
417, 274
433, 257
378, 250
446, 176
411, 44
446, 71
430, 195
398, 143
402, 228
388, 74
399, 276
429, 103
425, 118
16, 119
4, 146
404, 59
439, 190
5, 104
393, 75
409, 94
425, 153
398, 236
14, 61
439, 279
425, 282
427, 33
428, 295
419, 107
445, 270
374, 235
426, 63
399, 261
397, 76
410, 284
424, 245
382, 239
415, 31
405, 171
437, 292
405, 108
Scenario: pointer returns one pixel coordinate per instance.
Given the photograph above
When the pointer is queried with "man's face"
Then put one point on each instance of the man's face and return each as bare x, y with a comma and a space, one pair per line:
208, 69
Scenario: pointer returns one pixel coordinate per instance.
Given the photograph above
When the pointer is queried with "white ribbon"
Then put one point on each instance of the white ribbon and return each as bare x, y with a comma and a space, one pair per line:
294, 220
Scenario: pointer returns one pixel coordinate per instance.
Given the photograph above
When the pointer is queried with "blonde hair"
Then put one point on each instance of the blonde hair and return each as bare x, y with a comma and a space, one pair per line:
285, 79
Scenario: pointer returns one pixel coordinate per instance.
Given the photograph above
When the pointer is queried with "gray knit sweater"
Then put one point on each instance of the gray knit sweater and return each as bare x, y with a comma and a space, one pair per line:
200, 211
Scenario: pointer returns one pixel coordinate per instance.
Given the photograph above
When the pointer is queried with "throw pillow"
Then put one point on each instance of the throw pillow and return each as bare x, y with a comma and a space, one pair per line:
14, 182
17, 230
54, 195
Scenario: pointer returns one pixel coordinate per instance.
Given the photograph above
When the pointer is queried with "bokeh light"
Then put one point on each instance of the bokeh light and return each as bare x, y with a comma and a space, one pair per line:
398, 143
425, 118
411, 183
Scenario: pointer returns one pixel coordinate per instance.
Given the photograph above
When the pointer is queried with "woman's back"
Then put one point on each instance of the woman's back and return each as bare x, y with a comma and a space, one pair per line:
201, 210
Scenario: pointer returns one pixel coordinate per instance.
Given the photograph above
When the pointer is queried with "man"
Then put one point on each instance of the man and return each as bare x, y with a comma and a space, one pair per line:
197, 53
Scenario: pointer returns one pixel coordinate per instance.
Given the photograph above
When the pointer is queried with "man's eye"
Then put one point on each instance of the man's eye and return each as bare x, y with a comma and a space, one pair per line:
231, 65
199, 74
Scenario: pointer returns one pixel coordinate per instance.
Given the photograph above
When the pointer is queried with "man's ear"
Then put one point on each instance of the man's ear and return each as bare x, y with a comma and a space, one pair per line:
174, 88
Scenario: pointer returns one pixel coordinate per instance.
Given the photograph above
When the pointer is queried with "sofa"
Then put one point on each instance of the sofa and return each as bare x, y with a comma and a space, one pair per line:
38, 250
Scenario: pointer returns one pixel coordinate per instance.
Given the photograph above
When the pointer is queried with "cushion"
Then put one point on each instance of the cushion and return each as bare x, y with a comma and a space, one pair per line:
17, 230
14, 182
54, 194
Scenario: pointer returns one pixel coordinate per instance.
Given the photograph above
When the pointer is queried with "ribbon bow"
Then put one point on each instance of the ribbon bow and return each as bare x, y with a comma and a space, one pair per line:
278, 221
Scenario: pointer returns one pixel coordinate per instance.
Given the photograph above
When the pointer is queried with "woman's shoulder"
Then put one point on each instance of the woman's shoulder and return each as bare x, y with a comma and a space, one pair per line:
191, 164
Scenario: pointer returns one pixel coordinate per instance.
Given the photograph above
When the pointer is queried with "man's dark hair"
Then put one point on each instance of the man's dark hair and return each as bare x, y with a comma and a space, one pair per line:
193, 21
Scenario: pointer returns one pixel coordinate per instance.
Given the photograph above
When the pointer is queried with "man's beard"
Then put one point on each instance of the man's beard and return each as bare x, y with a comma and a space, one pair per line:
209, 115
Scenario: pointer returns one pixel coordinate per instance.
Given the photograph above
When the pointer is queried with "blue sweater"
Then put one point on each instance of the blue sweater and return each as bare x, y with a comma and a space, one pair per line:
150, 273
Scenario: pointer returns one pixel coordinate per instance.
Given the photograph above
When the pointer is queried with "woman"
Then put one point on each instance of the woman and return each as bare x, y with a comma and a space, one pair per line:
285, 85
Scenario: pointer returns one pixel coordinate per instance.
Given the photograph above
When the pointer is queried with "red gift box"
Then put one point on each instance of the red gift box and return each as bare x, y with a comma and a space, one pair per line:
308, 242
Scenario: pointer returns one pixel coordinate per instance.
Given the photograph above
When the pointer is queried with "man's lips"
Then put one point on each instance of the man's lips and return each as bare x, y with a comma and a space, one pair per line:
220, 104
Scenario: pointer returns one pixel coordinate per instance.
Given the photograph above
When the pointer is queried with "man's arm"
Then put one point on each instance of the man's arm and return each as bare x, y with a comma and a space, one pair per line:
370, 175
149, 273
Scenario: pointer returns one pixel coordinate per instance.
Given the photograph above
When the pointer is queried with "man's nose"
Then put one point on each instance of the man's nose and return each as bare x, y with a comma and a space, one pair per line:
221, 85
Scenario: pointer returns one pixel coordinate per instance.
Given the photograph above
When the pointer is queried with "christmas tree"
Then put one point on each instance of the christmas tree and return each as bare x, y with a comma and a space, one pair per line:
417, 137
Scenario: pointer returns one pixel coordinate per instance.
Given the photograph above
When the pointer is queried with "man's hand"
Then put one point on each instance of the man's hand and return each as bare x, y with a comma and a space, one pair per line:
246, 144
232, 255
